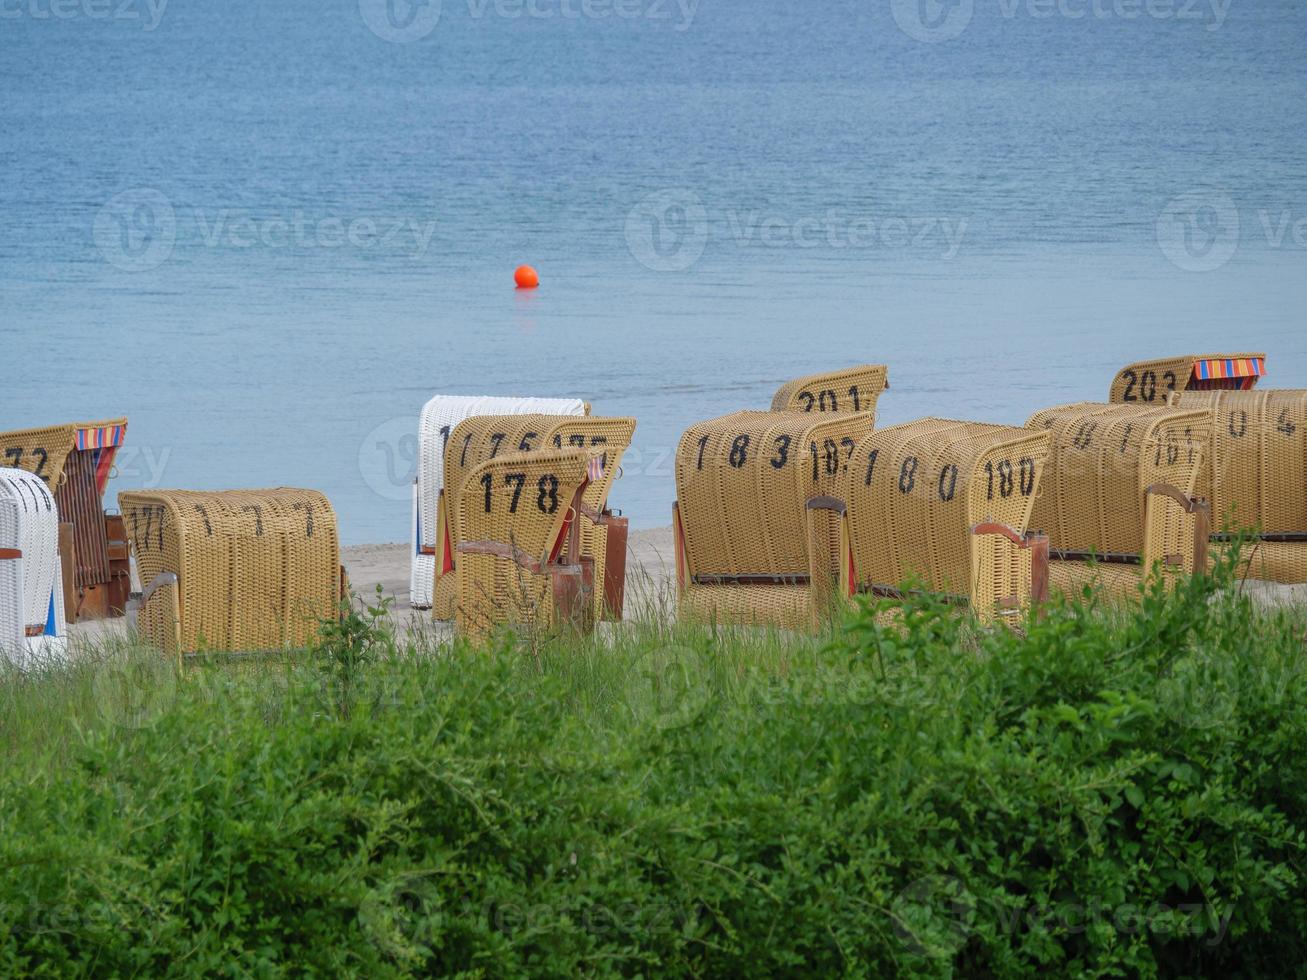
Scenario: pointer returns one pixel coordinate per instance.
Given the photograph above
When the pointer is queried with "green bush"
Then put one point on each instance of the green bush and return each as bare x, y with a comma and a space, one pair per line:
1113, 793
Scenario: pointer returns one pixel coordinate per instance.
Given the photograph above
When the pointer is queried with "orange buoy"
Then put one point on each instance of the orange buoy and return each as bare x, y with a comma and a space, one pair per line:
526, 277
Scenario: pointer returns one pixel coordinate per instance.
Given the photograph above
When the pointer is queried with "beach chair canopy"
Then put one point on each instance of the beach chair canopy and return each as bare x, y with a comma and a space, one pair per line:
742, 484
74, 461
517, 515
854, 389
234, 570
31, 574
1150, 382
481, 438
439, 417
1119, 486
915, 492
1256, 473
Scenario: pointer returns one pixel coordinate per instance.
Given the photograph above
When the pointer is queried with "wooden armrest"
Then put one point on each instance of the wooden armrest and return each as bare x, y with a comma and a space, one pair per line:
1202, 513
501, 550
157, 583
10, 554
827, 503
1036, 542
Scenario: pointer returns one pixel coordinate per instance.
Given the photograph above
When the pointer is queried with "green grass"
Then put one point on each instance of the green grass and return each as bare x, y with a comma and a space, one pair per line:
1117, 792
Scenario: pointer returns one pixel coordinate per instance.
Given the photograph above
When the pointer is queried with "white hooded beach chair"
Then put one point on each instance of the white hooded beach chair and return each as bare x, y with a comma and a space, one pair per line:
439, 417
32, 626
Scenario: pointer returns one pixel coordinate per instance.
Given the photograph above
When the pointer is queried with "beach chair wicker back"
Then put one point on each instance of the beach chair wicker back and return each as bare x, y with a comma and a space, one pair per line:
233, 570
31, 590
914, 493
742, 482
1150, 382
1256, 474
439, 417
481, 438
1102, 462
854, 389
517, 515
75, 461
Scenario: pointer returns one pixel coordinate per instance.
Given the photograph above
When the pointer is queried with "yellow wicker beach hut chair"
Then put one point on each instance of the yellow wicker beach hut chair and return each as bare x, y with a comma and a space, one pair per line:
854, 389
946, 504
1119, 496
1150, 382
439, 417
481, 438
75, 461
519, 551
1256, 474
233, 570
742, 534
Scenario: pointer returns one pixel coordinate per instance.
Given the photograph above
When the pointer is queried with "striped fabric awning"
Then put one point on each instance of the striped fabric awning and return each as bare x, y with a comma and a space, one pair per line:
595, 469
1217, 368
100, 437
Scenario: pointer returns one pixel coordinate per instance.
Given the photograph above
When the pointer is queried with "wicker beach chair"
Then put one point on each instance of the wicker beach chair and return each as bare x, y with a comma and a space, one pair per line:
233, 570
519, 546
1150, 382
439, 417
854, 389
1256, 475
32, 622
74, 461
944, 504
1119, 502
484, 437
741, 531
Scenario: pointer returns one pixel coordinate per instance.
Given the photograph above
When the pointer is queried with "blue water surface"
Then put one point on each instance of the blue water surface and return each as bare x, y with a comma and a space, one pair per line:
267, 232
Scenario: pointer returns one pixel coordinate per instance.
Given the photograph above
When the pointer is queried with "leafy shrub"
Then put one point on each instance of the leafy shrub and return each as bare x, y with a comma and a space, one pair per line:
1109, 794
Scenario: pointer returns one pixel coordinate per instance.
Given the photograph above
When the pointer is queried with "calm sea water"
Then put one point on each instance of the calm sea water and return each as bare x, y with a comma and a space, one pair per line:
267, 232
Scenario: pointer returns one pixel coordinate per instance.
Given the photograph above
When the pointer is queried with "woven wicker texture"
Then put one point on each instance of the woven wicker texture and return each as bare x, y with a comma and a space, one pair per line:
854, 389
914, 492
1103, 460
1256, 476
522, 500
480, 438
439, 416
13, 640
742, 484
29, 523
1150, 382
256, 568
